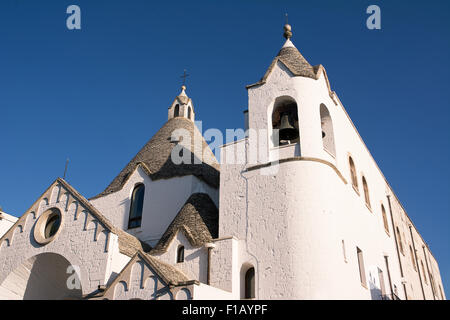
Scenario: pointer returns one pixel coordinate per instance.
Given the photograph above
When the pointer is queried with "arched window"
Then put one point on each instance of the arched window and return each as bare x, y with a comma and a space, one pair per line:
400, 243
285, 120
137, 205
180, 254
413, 260
176, 112
189, 113
250, 283
327, 130
351, 163
366, 191
385, 221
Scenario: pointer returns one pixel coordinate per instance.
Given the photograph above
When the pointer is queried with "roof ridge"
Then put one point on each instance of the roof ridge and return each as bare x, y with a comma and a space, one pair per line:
153, 262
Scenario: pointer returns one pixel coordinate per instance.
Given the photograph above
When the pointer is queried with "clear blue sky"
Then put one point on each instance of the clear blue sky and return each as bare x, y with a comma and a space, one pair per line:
98, 94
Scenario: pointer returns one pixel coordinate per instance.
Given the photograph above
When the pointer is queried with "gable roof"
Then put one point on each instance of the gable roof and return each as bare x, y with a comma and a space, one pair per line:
198, 219
155, 158
170, 275
128, 244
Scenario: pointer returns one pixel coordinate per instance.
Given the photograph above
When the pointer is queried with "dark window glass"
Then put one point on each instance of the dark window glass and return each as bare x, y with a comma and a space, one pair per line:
52, 225
137, 205
250, 283
176, 112
180, 254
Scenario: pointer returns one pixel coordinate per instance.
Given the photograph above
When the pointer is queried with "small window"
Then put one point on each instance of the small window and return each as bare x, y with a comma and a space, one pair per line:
366, 191
189, 113
385, 221
353, 173
137, 206
424, 273
400, 243
362, 270
413, 260
176, 112
382, 285
250, 283
180, 254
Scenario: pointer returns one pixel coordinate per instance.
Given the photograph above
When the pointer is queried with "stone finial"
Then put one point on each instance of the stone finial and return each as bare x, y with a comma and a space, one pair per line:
183, 91
287, 31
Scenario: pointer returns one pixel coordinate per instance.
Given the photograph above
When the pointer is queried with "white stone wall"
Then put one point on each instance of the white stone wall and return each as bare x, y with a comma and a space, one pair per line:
195, 263
292, 222
81, 241
223, 258
205, 292
419, 271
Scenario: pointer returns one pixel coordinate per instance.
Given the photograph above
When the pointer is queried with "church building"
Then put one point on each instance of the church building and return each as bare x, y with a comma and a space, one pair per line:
297, 209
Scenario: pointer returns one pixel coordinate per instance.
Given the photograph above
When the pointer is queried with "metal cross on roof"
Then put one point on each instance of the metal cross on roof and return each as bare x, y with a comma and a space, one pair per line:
184, 76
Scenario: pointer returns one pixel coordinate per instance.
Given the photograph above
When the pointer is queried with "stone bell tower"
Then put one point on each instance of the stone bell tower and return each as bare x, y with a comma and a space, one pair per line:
273, 213
182, 106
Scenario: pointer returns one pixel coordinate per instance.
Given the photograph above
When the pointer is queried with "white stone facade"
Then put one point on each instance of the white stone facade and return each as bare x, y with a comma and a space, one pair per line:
295, 215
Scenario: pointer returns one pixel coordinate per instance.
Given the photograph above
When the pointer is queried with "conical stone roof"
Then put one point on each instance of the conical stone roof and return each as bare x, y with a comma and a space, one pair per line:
155, 157
294, 62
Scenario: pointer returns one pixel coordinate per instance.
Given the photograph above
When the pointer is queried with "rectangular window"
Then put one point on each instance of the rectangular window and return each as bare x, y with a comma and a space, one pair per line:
382, 287
362, 270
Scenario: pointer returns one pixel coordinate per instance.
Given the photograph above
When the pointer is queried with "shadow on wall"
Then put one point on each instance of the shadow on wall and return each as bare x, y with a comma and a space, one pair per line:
375, 291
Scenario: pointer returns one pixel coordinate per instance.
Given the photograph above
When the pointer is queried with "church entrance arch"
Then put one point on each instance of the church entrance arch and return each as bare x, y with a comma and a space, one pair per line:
46, 276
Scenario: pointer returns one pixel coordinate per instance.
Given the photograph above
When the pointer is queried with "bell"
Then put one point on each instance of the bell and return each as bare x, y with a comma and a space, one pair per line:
287, 130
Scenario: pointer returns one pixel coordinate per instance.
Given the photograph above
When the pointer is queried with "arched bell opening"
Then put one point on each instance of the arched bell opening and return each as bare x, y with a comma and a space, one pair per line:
176, 112
285, 122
